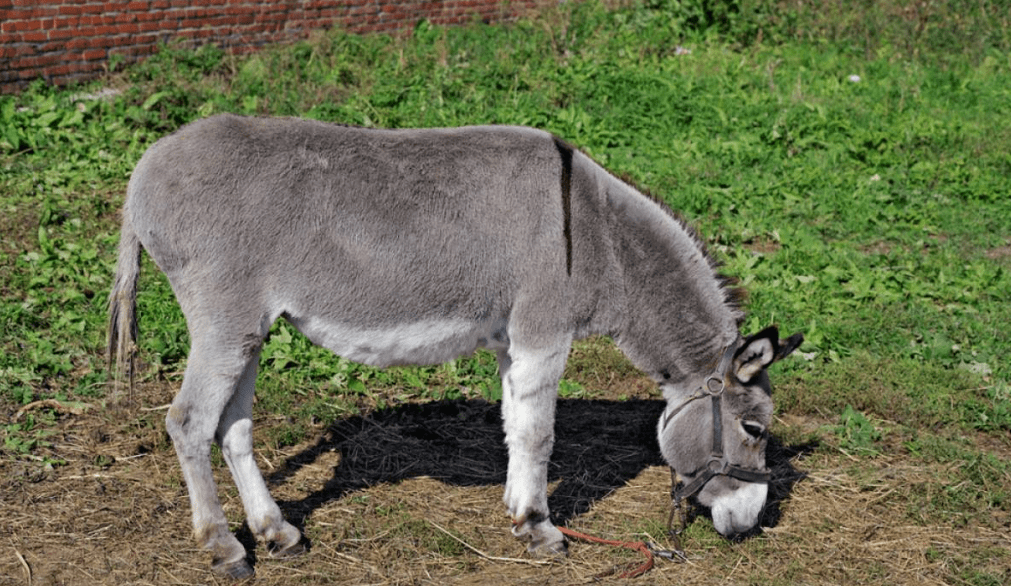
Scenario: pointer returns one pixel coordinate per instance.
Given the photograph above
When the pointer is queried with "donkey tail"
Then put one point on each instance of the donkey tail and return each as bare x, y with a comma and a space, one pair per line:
123, 306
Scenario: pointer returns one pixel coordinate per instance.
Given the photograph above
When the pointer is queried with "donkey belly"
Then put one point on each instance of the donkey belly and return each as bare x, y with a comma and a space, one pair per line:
430, 341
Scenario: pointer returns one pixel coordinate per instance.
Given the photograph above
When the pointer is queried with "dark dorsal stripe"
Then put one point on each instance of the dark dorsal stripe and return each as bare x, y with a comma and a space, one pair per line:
565, 151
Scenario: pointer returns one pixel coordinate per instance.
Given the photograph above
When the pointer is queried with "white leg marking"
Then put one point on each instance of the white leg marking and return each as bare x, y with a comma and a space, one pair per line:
529, 389
235, 434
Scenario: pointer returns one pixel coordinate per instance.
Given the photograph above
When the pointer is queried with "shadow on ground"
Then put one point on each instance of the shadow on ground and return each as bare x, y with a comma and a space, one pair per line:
599, 446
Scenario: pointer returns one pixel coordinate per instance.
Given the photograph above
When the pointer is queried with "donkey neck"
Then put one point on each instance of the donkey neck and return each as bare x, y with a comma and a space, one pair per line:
679, 314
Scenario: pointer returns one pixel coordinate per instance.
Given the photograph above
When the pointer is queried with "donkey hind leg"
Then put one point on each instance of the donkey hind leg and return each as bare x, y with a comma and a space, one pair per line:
529, 388
212, 377
235, 435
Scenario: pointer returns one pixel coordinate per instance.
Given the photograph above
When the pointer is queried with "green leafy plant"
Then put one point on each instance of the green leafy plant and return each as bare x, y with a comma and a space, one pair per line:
856, 433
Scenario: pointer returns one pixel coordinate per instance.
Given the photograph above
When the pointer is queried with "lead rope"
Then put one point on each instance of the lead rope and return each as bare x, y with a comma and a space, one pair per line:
649, 550
640, 546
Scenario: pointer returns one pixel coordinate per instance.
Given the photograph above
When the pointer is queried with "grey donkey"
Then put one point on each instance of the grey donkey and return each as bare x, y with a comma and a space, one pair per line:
415, 247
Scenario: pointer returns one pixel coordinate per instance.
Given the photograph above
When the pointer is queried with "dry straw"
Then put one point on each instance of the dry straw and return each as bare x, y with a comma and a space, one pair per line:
413, 496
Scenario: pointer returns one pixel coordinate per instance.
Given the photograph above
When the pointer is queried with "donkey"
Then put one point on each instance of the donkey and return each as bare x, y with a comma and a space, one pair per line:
415, 247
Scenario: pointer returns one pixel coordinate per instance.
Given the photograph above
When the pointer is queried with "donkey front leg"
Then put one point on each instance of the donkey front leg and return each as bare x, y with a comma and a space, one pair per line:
529, 388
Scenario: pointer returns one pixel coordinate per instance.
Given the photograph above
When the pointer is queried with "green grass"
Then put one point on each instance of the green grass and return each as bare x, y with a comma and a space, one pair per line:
873, 215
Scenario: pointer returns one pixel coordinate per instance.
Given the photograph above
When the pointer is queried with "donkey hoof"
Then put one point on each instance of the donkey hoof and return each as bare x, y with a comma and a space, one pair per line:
282, 540
546, 541
549, 549
240, 570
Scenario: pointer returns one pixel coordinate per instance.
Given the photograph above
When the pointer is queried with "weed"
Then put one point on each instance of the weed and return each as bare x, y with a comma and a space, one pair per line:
570, 389
856, 433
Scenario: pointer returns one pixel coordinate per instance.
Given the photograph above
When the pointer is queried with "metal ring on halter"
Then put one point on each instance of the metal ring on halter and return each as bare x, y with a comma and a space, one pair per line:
719, 380
718, 466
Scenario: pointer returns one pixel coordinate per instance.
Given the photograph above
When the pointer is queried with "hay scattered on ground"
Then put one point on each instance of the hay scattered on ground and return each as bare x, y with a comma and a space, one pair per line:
413, 496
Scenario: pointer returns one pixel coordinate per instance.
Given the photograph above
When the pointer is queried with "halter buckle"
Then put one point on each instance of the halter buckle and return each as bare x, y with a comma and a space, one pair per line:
718, 466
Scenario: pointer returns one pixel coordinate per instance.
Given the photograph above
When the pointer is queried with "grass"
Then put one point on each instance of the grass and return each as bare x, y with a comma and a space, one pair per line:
849, 163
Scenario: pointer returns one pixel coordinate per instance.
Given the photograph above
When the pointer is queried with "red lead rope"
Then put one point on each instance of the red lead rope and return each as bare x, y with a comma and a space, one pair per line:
636, 545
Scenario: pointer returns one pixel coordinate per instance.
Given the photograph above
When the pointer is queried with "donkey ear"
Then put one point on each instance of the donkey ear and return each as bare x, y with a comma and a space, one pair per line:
789, 345
761, 350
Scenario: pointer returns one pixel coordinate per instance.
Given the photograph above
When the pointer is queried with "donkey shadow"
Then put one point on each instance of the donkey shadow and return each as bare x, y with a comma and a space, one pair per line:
599, 446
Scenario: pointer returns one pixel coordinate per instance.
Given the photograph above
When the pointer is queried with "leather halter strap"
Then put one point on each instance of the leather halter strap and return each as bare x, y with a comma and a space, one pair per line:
717, 465
712, 386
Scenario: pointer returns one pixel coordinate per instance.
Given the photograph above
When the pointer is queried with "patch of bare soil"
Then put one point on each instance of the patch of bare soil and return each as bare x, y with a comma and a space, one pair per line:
412, 495
877, 248
999, 253
763, 245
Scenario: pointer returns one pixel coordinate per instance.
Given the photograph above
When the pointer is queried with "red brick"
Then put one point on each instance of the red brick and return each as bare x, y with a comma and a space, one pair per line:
50, 47
33, 62
63, 33
138, 40
78, 43
93, 54
13, 14
45, 11
67, 22
91, 9
23, 25
57, 69
92, 20
35, 37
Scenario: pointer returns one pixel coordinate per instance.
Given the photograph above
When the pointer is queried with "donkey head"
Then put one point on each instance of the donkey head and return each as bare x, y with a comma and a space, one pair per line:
714, 432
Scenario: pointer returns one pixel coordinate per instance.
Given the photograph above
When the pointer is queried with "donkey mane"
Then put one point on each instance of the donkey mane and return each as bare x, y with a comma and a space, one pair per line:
735, 296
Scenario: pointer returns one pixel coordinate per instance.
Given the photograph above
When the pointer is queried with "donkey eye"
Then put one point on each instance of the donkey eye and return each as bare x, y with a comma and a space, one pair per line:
754, 429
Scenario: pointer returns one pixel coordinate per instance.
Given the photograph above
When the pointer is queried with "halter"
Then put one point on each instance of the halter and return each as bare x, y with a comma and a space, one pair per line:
717, 465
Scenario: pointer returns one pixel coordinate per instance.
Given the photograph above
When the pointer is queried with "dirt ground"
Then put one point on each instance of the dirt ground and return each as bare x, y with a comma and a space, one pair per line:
412, 495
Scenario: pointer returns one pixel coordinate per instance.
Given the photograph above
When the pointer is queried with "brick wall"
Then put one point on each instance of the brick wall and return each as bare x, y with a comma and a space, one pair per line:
67, 40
